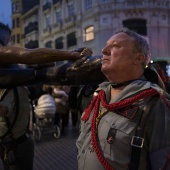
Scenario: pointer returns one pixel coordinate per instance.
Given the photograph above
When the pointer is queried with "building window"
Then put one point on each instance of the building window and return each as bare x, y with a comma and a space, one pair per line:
70, 9
18, 38
46, 1
58, 16
15, 7
71, 39
47, 21
138, 25
48, 44
89, 33
88, 4
13, 23
18, 22
13, 39
59, 43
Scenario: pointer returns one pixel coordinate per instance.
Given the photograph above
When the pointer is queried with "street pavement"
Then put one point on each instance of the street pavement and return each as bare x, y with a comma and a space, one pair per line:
56, 154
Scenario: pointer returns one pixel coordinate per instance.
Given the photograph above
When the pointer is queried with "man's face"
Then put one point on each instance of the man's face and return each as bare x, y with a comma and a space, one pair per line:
118, 55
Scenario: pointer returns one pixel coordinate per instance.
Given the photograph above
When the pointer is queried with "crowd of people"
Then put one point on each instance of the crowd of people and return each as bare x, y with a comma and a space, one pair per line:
125, 125
70, 101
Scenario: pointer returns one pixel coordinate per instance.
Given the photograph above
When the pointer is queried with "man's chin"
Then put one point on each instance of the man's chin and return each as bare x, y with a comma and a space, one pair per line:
104, 70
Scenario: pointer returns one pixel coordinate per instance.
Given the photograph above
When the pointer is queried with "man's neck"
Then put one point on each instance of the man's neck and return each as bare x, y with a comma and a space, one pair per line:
122, 84
115, 92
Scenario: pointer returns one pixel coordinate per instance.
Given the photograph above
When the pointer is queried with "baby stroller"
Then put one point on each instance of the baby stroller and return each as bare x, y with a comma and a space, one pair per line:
44, 113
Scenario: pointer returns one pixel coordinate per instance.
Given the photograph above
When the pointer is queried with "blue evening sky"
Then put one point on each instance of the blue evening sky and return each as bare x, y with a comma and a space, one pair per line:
5, 12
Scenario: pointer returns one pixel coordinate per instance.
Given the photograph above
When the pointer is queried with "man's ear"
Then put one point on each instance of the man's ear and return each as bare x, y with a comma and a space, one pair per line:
139, 58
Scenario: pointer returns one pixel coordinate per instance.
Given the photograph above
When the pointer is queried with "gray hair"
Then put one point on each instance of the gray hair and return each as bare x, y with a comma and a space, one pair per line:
140, 44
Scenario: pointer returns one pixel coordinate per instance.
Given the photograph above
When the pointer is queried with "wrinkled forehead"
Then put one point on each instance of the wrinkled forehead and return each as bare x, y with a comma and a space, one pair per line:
121, 37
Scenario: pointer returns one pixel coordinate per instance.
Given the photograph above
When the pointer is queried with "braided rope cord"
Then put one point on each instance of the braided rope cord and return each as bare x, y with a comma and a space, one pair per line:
94, 138
164, 99
96, 102
126, 102
145, 94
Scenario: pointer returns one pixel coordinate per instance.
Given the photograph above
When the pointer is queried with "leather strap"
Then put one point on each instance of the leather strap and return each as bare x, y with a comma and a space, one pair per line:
138, 139
16, 98
117, 85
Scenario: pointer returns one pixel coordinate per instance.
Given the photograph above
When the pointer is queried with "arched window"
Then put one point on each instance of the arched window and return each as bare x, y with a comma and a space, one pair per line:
18, 22
88, 4
59, 43
48, 44
71, 39
138, 25
18, 38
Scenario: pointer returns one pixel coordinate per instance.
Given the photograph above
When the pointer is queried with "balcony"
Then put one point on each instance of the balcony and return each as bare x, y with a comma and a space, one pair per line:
48, 29
32, 26
58, 24
16, 12
70, 19
47, 6
32, 44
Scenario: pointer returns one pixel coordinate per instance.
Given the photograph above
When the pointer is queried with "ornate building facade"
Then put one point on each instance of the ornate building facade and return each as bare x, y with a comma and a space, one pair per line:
69, 24
16, 35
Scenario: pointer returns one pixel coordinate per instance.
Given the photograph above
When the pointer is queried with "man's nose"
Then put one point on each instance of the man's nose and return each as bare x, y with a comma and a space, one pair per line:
105, 51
